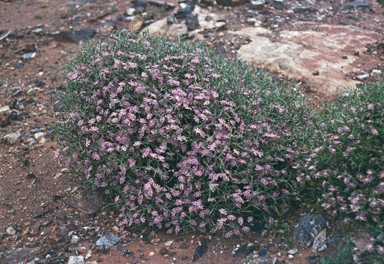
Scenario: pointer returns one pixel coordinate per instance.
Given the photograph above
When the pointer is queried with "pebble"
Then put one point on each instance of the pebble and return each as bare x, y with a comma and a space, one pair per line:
168, 243
151, 254
378, 72
362, 76
11, 231
293, 251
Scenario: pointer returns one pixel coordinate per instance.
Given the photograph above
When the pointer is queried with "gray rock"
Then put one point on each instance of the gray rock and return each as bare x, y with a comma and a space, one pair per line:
308, 228
54, 260
89, 202
170, 18
358, 4
31, 141
108, 241
11, 138
257, 4
191, 21
184, 9
319, 242
76, 260
362, 76
76, 3
7, 33
279, 4
11, 231
302, 9
79, 35
267, 260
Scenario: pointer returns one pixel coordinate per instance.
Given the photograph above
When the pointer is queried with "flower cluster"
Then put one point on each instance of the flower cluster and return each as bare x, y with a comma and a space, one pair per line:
347, 160
178, 137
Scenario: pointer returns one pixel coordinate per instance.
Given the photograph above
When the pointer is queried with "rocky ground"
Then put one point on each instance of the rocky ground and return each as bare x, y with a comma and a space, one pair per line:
44, 219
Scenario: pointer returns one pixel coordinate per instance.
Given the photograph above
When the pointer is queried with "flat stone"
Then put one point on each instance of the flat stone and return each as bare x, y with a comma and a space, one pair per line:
4, 109
362, 76
279, 4
293, 251
37, 30
191, 21
76, 260
161, 27
11, 231
78, 35
319, 242
267, 260
231, 2
291, 57
136, 24
301, 10
29, 55
308, 227
377, 72
11, 138
168, 243
108, 241
358, 4
89, 202
257, 4
39, 135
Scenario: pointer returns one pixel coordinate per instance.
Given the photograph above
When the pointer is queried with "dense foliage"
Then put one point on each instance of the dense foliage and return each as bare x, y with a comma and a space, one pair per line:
181, 138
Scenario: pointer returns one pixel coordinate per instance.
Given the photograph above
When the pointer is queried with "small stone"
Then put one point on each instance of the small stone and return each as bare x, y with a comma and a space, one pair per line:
377, 72
184, 9
293, 251
362, 76
11, 138
29, 55
319, 242
183, 246
109, 241
163, 251
168, 243
39, 135
301, 10
257, 4
151, 254
76, 260
19, 65
75, 239
170, 18
220, 24
279, 4
358, 4
291, 256
313, 259
4, 109
136, 24
344, 57
258, 23
191, 21
89, 254
37, 30
11, 231
130, 11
